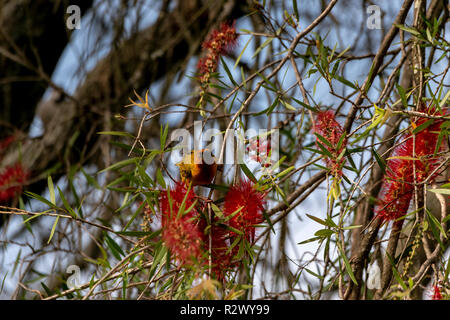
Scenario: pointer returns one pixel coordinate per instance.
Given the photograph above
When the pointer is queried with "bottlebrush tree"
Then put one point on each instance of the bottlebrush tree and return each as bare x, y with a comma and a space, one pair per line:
278, 158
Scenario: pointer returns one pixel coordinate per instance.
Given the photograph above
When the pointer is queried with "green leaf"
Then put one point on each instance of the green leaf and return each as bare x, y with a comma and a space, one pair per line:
271, 85
163, 136
230, 76
66, 204
318, 220
435, 222
395, 272
116, 133
3, 282
310, 240
91, 181
423, 126
240, 55
160, 178
40, 198
287, 105
270, 108
262, 46
408, 29
402, 94
379, 160
324, 150
120, 164
294, 6
284, 172
47, 290
324, 140
139, 234
324, 233
304, 105
159, 255
116, 250
447, 271
444, 100
217, 210
139, 209
313, 273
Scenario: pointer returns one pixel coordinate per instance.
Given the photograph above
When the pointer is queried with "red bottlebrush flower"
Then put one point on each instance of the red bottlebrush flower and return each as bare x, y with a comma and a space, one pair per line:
181, 232
219, 42
436, 293
245, 196
414, 152
259, 150
12, 180
326, 126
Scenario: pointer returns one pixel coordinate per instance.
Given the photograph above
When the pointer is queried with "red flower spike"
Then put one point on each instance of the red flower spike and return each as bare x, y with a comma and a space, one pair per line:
245, 196
326, 126
259, 150
398, 184
181, 233
12, 180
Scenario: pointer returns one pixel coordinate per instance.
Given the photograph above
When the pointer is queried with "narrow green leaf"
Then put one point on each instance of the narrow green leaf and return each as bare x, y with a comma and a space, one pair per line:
116, 133
66, 204
402, 94
40, 198
324, 233
230, 76
318, 220
441, 191
262, 46
160, 178
116, 250
344, 81
325, 141
163, 136
294, 6
423, 126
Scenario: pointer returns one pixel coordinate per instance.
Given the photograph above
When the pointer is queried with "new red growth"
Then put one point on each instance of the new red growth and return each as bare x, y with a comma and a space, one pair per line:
326, 126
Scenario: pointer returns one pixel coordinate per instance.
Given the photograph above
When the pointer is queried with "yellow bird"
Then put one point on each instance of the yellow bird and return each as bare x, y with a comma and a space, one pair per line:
194, 169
